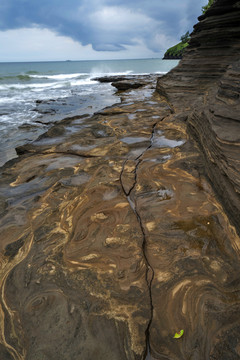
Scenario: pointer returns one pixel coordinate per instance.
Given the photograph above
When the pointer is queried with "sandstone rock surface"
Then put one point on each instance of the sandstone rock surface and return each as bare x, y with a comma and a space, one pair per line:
207, 84
121, 228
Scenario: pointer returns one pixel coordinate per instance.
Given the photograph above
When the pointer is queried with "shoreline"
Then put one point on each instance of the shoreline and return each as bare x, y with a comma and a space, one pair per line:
51, 112
87, 239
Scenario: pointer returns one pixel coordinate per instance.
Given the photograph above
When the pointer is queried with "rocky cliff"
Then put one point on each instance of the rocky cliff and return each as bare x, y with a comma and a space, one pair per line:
112, 235
206, 83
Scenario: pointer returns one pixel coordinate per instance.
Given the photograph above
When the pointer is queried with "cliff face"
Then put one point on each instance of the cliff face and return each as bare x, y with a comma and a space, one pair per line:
214, 45
206, 84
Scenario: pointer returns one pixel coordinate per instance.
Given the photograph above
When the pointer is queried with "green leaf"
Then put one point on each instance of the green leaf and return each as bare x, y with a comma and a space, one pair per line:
178, 334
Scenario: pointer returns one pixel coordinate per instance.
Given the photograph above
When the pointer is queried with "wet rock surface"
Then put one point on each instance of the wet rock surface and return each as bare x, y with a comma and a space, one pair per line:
206, 84
123, 83
111, 235
115, 232
204, 88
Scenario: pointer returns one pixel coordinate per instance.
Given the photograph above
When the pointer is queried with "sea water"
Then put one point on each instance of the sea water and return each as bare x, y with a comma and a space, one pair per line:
34, 95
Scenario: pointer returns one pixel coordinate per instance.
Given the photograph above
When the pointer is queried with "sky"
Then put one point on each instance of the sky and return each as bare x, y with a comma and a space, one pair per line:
51, 30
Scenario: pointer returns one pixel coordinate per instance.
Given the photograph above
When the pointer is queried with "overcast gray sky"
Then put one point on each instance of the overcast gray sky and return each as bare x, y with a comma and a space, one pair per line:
32, 30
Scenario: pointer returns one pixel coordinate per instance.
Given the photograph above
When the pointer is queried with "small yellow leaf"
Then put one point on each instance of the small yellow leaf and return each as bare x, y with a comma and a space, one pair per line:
178, 334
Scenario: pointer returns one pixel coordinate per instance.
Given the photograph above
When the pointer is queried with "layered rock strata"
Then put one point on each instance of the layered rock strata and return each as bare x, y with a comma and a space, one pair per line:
214, 45
112, 236
207, 84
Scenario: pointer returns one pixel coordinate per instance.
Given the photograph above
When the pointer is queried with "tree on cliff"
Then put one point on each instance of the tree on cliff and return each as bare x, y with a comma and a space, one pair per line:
206, 7
185, 38
176, 52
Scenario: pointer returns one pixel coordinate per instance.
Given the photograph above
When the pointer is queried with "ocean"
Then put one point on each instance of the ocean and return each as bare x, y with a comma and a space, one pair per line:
35, 95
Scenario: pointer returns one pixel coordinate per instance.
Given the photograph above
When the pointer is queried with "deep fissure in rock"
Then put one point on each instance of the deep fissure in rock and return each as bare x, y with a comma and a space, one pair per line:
149, 279
138, 159
150, 272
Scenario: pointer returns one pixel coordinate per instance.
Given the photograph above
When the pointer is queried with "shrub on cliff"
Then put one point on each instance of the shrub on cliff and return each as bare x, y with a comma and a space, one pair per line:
176, 52
185, 38
206, 7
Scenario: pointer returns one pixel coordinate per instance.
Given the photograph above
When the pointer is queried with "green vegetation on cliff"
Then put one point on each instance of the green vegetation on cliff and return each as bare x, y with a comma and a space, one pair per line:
206, 7
176, 51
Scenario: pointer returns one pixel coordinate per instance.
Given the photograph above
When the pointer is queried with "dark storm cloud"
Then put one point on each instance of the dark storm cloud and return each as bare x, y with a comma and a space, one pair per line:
106, 24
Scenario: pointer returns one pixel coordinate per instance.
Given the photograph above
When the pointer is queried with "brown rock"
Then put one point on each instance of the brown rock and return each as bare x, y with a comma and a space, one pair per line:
112, 234
73, 268
189, 251
208, 76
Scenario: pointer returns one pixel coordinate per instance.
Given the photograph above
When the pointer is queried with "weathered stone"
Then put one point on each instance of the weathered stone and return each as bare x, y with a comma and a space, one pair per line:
72, 245
126, 85
208, 76
192, 267
109, 79
123, 83
112, 236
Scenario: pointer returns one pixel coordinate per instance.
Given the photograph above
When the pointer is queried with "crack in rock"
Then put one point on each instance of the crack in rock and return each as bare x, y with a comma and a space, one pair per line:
127, 192
134, 164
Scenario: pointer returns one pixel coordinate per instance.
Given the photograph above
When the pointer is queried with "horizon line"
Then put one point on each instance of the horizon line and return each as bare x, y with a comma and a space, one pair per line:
69, 60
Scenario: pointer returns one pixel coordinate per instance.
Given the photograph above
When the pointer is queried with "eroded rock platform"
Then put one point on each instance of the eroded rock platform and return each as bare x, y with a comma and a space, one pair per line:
111, 236
120, 229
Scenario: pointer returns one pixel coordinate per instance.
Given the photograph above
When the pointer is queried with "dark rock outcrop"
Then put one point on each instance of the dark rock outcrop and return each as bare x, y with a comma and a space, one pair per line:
214, 45
109, 79
172, 57
128, 82
126, 85
207, 84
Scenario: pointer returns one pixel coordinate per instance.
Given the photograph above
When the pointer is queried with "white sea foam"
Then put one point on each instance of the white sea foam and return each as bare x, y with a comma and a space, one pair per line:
6, 100
83, 82
161, 72
15, 119
27, 86
59, 76
98, 72
48, 85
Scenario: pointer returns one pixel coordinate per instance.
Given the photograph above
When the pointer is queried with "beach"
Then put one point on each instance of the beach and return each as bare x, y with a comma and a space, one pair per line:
36, 95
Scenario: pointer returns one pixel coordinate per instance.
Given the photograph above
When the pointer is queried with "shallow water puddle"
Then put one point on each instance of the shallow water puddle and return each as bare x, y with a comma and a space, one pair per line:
160, 159
131, 116
133, 140
76, 147
63, 162
162, 141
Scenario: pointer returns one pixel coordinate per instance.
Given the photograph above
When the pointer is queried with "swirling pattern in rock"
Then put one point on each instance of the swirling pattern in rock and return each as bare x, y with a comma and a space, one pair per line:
111, 232
200, 288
